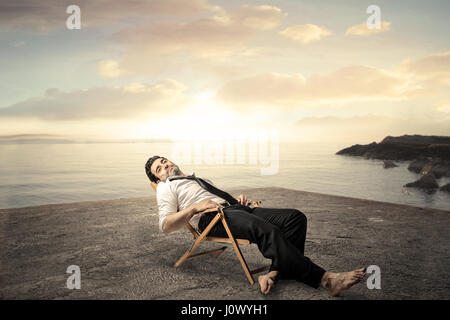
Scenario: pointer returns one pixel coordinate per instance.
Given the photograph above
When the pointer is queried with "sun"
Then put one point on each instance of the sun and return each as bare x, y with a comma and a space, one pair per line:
205, 118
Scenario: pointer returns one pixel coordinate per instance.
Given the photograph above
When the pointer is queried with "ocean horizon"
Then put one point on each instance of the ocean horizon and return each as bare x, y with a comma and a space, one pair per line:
44, 171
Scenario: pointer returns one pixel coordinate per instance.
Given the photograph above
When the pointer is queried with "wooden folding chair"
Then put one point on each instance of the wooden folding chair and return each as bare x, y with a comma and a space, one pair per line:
220, 217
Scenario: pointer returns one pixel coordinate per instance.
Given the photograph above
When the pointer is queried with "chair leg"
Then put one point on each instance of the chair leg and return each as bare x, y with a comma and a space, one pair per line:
182, 259
185, 256
262, 269
238, 251
220, 217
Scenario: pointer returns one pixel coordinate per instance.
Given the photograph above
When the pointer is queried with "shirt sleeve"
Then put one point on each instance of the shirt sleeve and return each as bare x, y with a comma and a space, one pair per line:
167, 202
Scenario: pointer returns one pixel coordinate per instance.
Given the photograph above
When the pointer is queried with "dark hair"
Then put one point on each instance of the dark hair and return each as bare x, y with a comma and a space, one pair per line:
148, 165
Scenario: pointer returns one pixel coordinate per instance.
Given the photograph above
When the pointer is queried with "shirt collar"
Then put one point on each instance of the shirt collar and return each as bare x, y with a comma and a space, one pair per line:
168, 178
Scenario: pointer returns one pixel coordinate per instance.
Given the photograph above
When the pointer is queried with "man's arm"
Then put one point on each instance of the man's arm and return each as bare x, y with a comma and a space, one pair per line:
176, 221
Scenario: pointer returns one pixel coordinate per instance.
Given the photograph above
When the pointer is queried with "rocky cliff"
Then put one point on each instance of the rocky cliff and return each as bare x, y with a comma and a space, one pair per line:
429, 156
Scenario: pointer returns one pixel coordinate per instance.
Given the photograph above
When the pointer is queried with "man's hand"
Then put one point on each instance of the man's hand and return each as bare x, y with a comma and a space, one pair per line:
205, 205
176, 221
242, 199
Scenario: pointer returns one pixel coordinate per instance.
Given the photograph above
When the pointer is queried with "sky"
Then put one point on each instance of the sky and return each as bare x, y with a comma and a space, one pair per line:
143, 69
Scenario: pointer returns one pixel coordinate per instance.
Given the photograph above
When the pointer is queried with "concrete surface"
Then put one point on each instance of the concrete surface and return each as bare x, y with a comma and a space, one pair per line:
122, 254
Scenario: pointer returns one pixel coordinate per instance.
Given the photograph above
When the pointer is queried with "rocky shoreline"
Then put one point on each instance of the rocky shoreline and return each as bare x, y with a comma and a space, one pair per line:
429, 157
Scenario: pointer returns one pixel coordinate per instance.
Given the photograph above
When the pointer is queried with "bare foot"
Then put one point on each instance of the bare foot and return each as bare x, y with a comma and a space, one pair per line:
268, 281
335, 283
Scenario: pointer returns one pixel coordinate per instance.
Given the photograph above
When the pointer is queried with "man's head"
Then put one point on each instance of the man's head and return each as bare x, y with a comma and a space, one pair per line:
159, 168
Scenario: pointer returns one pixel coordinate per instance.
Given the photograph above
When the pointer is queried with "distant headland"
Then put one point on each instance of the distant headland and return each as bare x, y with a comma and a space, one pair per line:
59, 139
429, 156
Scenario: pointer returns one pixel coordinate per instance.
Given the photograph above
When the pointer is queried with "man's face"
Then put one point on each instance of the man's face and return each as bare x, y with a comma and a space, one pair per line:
163, 168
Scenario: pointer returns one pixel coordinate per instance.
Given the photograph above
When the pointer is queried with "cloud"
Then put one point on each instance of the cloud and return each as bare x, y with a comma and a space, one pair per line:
131, 101
366, 128
444, 107
433, 69
262, 17
109, 69
207, 43
201, 37
305, 33
363, 30
362, 120
49, 15
354, 83
217, 35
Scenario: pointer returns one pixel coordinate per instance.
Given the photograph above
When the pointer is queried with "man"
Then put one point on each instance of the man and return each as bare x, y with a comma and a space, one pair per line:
279, 233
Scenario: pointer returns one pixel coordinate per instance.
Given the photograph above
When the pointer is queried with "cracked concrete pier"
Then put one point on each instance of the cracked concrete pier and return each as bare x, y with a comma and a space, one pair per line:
122, 254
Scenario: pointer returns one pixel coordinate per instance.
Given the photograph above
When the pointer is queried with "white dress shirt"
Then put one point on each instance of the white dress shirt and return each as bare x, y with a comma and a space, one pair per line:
174, 196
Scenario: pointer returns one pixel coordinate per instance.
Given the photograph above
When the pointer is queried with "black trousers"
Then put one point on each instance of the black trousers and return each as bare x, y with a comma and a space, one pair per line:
280, 235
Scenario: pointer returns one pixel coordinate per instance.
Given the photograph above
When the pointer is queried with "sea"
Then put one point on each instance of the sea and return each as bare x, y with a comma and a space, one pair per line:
39, 172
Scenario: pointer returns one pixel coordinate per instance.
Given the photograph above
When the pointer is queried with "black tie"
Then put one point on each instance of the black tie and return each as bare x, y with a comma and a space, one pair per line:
209, 187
